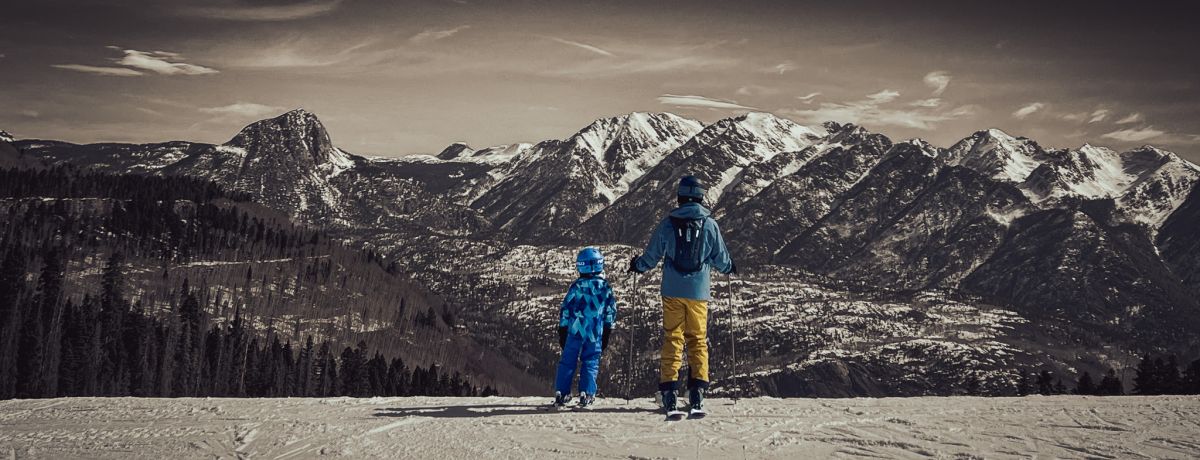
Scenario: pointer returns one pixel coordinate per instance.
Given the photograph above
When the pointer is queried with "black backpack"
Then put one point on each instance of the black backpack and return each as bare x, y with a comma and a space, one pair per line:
689, 245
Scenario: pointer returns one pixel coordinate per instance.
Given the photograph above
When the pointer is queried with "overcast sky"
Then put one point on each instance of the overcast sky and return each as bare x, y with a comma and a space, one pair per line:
398, 77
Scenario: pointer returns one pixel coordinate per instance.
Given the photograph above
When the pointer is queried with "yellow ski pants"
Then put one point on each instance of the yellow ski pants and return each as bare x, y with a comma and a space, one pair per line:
685, 322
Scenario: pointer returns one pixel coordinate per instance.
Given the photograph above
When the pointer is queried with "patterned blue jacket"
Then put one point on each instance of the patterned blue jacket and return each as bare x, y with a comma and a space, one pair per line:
589, 305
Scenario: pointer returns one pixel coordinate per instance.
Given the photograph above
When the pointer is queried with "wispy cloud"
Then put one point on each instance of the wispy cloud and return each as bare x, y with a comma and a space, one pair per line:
161, 62
243, 109
137, 63
429, 35
1131, 118
583, 46
1134, 134
938, 80
756, 90
1028, 110
808, 98
931, 102
701, 102
1098, 116
868, 111
239, 11
784, 67
884, 96
106, 71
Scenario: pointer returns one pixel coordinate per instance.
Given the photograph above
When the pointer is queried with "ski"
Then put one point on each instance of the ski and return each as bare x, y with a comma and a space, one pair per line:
676, 415
696, 414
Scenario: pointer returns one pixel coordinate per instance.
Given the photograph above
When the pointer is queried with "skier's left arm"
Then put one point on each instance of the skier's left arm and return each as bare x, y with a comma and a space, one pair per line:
718, 255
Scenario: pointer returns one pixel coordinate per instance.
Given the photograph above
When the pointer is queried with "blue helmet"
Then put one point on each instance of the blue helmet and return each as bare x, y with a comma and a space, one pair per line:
589, 261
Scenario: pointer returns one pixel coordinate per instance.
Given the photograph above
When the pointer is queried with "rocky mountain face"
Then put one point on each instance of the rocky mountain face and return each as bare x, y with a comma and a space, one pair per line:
555, 186
1098, 239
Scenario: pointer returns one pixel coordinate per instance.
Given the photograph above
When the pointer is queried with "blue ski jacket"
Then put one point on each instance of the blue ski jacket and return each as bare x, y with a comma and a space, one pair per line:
662, 245
588, 306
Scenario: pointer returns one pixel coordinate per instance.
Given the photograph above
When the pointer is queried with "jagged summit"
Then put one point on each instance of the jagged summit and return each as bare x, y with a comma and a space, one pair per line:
455, 151
297, 135
5, 136
997, 154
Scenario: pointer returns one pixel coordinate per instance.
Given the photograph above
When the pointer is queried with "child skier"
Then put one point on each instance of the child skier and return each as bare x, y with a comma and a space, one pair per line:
585, 321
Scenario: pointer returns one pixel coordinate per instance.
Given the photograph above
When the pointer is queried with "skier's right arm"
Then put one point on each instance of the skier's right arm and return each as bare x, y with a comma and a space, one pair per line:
655, 250
563, 317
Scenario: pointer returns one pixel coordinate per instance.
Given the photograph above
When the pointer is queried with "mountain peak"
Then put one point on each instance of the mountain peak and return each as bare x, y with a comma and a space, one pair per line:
297, 133
456, 150
5, 136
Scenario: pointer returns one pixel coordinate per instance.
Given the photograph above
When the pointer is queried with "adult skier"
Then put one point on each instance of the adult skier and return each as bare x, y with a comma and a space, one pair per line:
691, 242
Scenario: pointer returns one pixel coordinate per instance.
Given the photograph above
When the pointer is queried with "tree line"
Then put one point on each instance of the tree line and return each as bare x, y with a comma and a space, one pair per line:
104, 346
65, 333
1154, 376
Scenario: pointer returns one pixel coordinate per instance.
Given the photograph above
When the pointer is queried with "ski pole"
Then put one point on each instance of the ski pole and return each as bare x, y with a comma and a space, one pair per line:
629, 361
733, 335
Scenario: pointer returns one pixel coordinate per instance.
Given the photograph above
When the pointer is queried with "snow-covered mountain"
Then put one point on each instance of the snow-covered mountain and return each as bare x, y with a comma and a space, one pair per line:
1090, 232
5, 136
718, 155
572, 179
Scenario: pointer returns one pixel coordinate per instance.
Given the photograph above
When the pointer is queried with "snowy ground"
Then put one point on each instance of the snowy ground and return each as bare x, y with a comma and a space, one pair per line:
471, 428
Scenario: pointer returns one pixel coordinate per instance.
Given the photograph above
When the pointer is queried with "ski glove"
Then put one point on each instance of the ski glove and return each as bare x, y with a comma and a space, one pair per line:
604, 338
633, 268
562, 337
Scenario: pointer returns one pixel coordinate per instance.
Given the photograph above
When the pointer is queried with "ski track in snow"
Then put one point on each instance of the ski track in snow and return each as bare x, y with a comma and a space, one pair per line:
498, 427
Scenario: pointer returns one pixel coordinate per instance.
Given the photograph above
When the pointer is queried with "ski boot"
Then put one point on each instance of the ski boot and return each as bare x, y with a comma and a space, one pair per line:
668, 404
560, 400
696, 401
585, 401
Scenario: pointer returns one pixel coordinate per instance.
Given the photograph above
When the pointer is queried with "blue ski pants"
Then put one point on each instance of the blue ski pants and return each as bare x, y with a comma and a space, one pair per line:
578, 351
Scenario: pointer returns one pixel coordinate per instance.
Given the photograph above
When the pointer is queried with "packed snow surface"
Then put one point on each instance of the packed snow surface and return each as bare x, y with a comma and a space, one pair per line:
497, 427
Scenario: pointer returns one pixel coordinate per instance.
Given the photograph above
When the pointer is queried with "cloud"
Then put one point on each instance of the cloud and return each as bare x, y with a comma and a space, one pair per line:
429, 35
1134, 134
1131, 118
1028, 109
106, 71
931, 102
31, 113
583, 46
135, 62
869, 112
808, 99
161, 62
701, 102
242, 109
938, 80
235, 11
884, 96
784, 67
1098, 116
756, 90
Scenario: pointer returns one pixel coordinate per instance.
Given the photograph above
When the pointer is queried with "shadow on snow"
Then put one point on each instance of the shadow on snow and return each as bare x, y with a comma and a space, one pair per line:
496, 410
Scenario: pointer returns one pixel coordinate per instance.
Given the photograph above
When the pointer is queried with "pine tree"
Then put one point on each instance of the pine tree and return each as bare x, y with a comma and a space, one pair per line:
1045, 383
1145, 381
1023, 384
1191, 379
12, 274
1111, 385
187, 356
1168, 376
304, 369
113, 309
1085, 385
